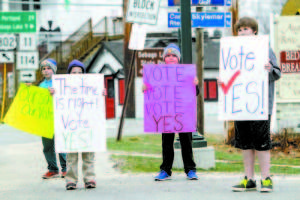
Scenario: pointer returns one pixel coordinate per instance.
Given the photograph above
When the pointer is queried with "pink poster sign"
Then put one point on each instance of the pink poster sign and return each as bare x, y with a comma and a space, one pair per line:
170, 99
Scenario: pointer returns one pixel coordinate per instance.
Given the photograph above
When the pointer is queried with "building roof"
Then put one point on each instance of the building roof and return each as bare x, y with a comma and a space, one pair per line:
117, 49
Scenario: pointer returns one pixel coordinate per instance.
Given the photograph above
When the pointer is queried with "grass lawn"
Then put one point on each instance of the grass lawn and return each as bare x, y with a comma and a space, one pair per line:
151, 144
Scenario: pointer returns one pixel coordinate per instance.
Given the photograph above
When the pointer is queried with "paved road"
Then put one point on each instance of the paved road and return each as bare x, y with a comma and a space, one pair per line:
22, 164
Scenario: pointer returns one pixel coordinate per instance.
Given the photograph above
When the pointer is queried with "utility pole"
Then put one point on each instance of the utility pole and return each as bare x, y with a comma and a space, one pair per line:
200, 66
130, 111
229, 125
186, 32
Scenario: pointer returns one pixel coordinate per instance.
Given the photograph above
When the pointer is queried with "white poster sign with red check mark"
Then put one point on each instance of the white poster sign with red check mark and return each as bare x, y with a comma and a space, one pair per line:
243, 79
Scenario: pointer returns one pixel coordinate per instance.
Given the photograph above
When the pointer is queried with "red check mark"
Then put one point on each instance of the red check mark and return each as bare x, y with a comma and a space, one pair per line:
227, 87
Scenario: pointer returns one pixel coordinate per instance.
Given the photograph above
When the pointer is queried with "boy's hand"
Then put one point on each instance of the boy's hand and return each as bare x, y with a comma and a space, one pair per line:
51, 90
268, 66
144, 88
196, 81
219, 82
104, 93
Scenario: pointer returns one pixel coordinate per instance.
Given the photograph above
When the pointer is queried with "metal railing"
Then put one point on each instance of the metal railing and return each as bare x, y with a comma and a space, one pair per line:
84, 40
109, 26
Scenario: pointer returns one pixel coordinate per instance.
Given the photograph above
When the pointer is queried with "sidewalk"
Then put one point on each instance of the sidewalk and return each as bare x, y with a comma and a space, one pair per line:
22, 164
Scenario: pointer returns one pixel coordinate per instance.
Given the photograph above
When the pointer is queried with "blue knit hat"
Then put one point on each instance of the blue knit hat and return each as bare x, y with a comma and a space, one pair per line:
49, 63
172, 49
75, 63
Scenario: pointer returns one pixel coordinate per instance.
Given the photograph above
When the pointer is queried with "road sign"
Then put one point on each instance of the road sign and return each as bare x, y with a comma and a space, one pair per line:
27, 75
137, 37
7, 57
27, 60
202, 20
17, 22
202, 2
8, 41
142, 12
148, 56
27, 42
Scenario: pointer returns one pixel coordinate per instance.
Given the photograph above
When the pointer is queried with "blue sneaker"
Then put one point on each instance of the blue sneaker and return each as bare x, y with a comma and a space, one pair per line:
192, 175
162, 176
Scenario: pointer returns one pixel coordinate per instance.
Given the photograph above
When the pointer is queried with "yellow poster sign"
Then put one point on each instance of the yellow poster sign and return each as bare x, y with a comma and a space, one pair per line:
32, 111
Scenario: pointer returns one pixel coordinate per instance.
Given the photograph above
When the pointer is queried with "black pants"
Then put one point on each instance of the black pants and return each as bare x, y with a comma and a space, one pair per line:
168, 152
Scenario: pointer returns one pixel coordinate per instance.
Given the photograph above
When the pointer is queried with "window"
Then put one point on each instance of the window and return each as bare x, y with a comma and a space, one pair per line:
121, 91
210, 88
25, 5
37, 6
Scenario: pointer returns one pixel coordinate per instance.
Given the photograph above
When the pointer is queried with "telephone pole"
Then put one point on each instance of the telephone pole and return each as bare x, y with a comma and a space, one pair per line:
200, 66
229, 125
130, 111
186, 32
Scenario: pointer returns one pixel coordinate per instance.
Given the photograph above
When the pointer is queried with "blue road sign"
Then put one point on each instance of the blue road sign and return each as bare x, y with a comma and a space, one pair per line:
202, 20
202, 2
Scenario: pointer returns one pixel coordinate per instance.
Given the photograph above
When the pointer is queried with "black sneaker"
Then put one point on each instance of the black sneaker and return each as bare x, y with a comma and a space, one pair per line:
71, 186
266, 185
245, 185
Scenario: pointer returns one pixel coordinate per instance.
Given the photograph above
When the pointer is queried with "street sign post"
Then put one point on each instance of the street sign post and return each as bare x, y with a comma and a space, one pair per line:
8, 41
142, 12
6, 57
202, 2
202, 20
27, 60
17, 22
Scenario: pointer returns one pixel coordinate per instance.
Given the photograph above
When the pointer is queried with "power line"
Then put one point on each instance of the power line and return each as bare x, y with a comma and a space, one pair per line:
63, 4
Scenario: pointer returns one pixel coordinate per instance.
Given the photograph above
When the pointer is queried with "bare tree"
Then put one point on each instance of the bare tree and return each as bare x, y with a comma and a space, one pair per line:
261, 11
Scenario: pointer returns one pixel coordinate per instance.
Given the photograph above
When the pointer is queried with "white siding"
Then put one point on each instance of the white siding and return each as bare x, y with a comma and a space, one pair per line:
107, 58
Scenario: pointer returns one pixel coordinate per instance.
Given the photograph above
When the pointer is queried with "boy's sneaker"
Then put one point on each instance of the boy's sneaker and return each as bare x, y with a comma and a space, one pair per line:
162, 176
71, 186
266, 185
245, 185
50, 175
63, 174
192, 175
90, 184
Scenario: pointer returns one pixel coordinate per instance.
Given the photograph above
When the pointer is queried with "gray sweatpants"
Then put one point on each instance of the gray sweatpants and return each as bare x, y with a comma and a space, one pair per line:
88, 167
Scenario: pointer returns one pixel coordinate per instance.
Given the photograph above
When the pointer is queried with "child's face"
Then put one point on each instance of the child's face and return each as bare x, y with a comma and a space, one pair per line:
47, 72
171, 59
76, 70
245, 31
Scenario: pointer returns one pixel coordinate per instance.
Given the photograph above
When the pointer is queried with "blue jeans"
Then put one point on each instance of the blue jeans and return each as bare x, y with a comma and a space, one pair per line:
50, 155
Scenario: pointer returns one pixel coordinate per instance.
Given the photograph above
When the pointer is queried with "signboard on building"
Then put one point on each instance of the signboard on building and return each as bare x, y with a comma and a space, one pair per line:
287, 48
148, 56
143, 12
17, 22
